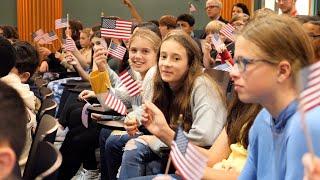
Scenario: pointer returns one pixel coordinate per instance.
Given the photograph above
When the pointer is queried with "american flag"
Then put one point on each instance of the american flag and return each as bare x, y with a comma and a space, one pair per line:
69, 45
45, 39
52, 36
186, 158
36, 36
228, 30
115, 28
115, 104
61, 23
132, 85
117, 51
192, 8
216, 41
310, 80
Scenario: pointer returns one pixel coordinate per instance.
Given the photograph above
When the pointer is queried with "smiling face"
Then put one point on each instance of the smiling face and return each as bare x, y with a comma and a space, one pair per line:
142, 55
173, 62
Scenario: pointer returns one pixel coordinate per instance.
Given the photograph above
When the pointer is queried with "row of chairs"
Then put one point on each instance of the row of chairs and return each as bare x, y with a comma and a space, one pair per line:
44, 159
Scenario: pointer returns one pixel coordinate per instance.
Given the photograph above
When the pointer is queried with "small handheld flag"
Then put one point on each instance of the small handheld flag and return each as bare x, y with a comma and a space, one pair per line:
132, 85
228, 30
61, 23
119, 29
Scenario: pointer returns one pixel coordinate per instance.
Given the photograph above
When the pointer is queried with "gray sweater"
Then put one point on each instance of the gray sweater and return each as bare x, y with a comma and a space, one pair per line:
209, 113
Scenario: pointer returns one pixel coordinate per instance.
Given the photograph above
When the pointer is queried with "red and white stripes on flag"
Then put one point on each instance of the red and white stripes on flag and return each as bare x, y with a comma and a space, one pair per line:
132, 85
36, 36
186, 158
310, 95
117, 51
70, 45
115, 104
228, 30
119, 29
61, 23
45, 39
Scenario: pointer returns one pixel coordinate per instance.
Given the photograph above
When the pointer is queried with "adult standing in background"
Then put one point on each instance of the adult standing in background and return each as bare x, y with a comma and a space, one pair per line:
213, 10
288, 7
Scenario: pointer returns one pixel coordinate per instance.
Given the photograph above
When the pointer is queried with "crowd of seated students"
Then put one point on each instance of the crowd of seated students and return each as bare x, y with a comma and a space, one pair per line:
255, 134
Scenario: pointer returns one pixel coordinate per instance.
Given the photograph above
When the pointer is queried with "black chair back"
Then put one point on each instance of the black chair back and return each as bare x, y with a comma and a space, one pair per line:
45, 92
48, 106
39, 82
46, 163
46, 131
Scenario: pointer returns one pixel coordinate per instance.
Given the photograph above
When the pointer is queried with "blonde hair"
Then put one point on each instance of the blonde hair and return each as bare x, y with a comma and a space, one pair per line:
214, 27
86, 31
280, 38
148, 35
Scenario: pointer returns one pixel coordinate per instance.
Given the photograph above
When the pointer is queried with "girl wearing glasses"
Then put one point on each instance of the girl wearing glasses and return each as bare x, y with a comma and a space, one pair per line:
269, 53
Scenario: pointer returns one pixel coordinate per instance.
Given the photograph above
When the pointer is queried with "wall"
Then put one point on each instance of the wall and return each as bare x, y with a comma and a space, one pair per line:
89, 11
8, 12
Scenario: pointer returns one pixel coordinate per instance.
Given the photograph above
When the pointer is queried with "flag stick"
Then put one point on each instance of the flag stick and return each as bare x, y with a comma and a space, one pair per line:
180, 121
306, 132
67, 21
168, 165
108, 49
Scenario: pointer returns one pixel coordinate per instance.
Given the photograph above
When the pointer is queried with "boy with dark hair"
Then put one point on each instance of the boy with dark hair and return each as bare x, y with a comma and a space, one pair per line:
7, 56
26, 63
13, 120
27, 60
186, 23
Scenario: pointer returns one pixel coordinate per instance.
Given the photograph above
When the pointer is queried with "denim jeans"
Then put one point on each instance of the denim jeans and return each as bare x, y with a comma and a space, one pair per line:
139, 160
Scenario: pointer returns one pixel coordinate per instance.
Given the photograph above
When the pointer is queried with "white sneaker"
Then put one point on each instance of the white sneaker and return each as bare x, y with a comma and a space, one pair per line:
79, 174
91, 175
61, 134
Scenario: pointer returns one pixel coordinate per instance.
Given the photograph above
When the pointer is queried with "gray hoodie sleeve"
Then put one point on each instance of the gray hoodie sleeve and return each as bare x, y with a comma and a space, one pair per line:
208, 112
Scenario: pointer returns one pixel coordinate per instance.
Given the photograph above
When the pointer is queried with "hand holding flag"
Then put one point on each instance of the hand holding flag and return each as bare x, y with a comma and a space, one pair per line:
70, 45
186, 158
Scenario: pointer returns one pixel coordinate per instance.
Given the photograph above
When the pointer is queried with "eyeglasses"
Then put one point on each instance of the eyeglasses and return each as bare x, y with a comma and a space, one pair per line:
242, 62
211, 7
